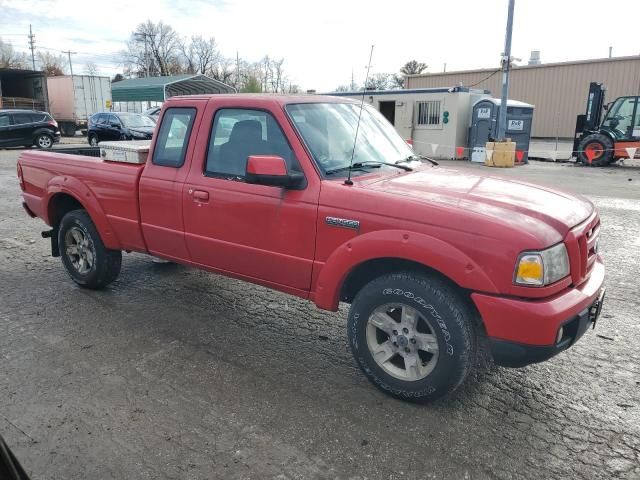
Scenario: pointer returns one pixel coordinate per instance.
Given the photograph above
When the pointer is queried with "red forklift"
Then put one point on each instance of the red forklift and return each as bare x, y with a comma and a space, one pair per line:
599, 143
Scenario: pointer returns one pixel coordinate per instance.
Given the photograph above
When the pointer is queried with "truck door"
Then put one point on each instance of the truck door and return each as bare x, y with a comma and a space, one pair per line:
162, 180
257, 232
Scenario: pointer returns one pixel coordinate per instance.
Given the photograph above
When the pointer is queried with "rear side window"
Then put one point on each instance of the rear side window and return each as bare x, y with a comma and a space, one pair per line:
22, 118
39, 117
173, 137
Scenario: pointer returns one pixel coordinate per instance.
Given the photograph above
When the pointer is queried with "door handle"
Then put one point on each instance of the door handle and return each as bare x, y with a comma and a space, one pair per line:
199, 195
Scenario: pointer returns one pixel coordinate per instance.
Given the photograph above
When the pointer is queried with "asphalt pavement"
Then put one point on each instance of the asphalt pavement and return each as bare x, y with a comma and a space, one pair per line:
174, 373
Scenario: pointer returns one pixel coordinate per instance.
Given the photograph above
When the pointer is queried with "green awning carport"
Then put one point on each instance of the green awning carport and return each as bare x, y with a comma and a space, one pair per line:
158, 89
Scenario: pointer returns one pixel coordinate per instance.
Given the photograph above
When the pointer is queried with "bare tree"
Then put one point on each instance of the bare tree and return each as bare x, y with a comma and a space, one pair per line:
187, 55
90, 68
160, 41
9, 58
223, 70
380, 81
53, 65
207, 54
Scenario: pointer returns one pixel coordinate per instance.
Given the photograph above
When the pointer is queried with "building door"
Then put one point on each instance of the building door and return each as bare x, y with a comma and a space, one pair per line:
388, 110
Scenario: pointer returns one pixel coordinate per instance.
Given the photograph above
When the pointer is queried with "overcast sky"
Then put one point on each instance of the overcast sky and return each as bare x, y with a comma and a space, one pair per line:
322, 41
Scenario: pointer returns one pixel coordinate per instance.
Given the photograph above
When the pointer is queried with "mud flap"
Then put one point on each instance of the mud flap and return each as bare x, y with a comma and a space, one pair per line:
53, 235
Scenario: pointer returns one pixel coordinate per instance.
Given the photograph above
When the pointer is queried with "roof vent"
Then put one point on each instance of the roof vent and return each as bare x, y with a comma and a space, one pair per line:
534, 59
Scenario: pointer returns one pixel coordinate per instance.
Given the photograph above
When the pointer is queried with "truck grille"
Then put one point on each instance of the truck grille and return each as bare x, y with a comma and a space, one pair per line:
582, 245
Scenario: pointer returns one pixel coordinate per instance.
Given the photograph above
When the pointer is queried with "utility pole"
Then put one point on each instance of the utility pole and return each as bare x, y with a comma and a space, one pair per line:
506, 67
32, 47
237, 70
69, 52
146, 54
444, 67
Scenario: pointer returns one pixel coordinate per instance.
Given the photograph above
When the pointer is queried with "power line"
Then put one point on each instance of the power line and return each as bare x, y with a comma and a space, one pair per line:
484, 79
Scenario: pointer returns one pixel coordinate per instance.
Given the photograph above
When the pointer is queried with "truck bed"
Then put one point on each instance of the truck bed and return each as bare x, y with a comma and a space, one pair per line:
108, 187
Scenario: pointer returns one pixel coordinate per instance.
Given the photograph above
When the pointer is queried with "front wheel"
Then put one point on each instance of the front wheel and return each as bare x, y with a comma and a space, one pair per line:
596, 150
88, 262
93, 140
413, 336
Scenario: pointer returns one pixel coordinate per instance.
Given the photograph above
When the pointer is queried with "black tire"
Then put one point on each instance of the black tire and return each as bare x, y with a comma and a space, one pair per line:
43, 140
451, 322
598, 143
91, 137
106, 264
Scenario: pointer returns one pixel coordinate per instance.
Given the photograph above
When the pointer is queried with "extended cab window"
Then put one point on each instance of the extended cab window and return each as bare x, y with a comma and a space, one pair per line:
173, 137
239, 133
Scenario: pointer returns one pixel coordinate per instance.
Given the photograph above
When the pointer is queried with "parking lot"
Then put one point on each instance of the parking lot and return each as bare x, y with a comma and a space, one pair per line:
179, 374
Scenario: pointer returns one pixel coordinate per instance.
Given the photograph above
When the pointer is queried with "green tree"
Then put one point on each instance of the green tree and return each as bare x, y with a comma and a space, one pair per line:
413, 67
251, 85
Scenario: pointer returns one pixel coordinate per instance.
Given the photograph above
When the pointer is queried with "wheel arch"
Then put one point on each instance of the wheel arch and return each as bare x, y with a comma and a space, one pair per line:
75, 195
39, 131
358, 261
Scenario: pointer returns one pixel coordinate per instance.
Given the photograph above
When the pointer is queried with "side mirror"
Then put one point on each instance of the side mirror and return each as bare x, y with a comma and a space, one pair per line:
271, 170
114, 125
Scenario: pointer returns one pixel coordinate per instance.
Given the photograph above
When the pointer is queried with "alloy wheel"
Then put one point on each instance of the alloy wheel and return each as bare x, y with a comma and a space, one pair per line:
402, 342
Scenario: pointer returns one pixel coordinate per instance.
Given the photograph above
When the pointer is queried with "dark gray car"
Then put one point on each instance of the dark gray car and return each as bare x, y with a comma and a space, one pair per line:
24, 128
119, 126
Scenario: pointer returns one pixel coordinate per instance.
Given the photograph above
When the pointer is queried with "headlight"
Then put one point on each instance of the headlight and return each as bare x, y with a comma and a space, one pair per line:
542, 268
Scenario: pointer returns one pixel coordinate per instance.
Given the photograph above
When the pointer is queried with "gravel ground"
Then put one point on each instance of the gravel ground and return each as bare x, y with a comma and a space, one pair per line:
174, 373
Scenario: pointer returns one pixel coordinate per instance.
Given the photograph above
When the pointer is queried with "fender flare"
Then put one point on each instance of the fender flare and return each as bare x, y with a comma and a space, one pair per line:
423, 249
85, 197
40, 130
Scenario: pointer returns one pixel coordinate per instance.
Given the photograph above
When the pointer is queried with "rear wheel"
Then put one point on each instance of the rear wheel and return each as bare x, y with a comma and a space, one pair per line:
44, 141
596, 150
413, 336
87, 261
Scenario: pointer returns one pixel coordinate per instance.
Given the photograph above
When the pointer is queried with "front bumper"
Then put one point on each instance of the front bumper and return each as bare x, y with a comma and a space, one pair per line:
525, 331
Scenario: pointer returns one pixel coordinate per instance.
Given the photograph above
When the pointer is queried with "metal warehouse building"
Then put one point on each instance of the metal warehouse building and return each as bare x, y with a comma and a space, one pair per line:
558, 90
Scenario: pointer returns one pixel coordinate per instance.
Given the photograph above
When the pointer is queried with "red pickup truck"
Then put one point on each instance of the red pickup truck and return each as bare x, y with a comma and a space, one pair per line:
260, 188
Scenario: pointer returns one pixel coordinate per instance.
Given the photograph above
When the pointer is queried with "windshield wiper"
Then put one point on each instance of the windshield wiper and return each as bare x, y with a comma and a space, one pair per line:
369, 163
421, 157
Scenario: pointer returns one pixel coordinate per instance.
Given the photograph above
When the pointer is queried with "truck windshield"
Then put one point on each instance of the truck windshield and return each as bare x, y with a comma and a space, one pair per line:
328, 130
133, 121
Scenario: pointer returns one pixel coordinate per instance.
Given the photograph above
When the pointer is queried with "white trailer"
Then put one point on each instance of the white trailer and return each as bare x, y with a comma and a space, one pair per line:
434, 120
73, 99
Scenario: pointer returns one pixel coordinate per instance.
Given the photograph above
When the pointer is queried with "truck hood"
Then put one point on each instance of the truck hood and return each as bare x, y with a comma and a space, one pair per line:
489, 195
